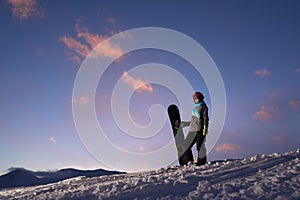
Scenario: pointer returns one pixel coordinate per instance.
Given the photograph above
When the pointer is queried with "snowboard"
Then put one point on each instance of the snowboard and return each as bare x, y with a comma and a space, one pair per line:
183, 156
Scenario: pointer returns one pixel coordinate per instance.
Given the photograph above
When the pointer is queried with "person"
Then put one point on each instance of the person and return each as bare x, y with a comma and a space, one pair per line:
198, 128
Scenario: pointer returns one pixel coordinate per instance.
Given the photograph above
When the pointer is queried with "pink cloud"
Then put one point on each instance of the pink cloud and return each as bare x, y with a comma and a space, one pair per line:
266, 113
77, 47
78, 50
24, 9
52, 139
294, 104
137, 84
111, 20
92, 39
228, 147
81, 100
297, 70
280, 138
141, 148
275, 95
73, 57
108, 49
262, 72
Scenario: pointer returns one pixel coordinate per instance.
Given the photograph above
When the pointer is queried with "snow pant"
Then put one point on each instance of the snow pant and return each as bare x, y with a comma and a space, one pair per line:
197, 137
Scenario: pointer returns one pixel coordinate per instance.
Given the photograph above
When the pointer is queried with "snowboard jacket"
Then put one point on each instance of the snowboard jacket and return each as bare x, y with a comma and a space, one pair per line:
199, 118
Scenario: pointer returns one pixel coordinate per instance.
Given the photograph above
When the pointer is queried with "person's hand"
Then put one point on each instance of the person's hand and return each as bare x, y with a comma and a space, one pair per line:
205, 130
176, 125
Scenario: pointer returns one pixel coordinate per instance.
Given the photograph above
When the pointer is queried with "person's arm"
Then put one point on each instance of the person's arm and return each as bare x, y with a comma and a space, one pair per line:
205, 116
205, 120
185, 124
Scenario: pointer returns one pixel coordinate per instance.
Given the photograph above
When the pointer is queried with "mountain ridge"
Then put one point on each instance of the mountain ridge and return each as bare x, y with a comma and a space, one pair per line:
20, 177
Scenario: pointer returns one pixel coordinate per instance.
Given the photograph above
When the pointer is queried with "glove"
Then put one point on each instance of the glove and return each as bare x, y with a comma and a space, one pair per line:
177, 125
205, 130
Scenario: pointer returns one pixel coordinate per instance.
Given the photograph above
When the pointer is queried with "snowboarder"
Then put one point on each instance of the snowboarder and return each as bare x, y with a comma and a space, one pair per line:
198, 128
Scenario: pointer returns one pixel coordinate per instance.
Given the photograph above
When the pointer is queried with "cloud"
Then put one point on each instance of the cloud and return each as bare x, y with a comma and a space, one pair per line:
73, 57
275, 95
111, 20
280, 138
91, 39
228, 147
76, 46
80, 46
262, 72
297, 70
266, 113
107, 50
141, 148
81, 100
52, 139
24, 9
137, 84
294, 104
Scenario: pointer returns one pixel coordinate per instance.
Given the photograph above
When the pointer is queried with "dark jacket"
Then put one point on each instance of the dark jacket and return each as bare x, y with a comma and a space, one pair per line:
199, 118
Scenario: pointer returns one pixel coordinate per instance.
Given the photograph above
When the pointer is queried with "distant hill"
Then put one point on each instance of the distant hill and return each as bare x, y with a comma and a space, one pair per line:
19, 177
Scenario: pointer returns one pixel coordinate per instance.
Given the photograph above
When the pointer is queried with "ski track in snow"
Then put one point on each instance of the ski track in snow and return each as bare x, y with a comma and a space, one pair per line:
276, 176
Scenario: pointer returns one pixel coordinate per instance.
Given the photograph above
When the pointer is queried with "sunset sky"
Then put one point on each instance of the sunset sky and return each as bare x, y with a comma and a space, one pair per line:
255, 45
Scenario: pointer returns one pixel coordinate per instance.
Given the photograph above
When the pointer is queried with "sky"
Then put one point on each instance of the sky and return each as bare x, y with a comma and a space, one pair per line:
254, 44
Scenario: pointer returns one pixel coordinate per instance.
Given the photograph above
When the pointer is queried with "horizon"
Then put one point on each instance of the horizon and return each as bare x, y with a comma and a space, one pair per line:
11, 169
45, 46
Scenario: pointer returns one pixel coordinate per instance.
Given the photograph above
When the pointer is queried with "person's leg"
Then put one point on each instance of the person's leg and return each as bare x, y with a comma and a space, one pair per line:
202, 159
189, 142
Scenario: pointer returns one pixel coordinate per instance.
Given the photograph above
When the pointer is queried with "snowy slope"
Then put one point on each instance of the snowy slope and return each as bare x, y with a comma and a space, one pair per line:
274, 176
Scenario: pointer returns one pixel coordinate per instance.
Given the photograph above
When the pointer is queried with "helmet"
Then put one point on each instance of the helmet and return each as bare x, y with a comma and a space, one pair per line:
198, 95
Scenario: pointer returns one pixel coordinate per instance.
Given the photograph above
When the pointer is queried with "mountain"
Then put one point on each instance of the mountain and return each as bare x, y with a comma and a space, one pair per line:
274, 176
19, 177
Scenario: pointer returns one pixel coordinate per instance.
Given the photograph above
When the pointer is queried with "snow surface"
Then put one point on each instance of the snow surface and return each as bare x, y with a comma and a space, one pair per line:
275, 176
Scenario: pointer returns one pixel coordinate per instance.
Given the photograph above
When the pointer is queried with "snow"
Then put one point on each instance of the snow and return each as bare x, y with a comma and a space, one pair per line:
275, 176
